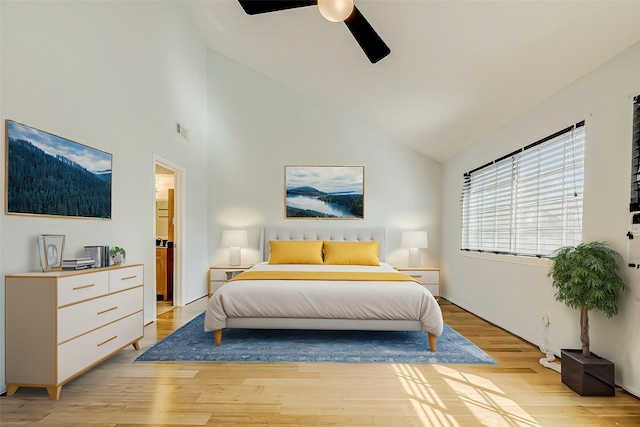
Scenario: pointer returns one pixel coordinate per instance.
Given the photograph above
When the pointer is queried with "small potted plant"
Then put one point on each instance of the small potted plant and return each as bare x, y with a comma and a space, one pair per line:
586, 277
118, 255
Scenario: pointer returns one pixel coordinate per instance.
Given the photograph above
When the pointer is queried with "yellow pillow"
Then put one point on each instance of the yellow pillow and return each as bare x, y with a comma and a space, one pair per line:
295, 251
351, 253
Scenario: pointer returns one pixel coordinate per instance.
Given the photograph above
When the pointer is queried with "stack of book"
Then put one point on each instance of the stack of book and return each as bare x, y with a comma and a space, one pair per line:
78, 263
100, 255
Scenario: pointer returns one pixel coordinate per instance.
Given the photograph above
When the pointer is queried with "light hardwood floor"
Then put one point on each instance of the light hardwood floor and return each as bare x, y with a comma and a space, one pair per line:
516, 392
163, 306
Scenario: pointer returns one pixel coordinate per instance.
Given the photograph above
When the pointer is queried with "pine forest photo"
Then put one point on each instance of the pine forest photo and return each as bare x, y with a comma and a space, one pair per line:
50, 175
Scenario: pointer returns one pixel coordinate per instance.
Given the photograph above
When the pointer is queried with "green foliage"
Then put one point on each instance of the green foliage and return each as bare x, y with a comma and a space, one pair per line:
586, 277
351, 201
117, 250
306, 213
42, 184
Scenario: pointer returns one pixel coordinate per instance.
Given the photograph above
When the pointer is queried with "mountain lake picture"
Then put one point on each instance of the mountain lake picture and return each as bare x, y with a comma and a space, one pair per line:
50, 175
324, 192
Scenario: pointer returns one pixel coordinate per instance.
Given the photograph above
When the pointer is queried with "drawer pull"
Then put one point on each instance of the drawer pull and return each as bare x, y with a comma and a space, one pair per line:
107, 310
82, 287
110, 339
416, 276
128, 277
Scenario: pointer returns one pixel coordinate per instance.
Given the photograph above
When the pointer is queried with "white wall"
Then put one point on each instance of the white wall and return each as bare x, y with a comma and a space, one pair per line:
115, 76
515, 296
257, 126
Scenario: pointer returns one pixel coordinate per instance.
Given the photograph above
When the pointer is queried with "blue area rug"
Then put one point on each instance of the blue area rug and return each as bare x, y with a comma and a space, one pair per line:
192, 343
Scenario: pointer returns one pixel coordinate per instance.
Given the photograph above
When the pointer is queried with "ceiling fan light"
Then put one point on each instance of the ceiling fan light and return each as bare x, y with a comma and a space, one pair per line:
335, 10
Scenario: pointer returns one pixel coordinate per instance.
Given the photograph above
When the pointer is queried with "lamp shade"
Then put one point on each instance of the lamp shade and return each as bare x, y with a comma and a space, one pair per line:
414, 239
234, 239
335, 10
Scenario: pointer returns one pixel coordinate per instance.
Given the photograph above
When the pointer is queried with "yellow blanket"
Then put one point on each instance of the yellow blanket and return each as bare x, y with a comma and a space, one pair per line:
325, 275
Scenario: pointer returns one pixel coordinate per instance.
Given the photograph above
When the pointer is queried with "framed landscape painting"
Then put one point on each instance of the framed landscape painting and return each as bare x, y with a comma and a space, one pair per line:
50, 175
324, 192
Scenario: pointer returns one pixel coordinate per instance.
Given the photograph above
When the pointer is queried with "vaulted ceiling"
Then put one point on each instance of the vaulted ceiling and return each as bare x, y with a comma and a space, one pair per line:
457, 71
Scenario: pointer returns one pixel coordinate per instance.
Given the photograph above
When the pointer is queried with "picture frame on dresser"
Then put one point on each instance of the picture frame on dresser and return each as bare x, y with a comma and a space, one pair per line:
51, 251
49, 175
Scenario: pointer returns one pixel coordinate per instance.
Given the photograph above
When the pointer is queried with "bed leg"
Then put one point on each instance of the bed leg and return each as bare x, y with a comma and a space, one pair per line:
432, 342
217, 335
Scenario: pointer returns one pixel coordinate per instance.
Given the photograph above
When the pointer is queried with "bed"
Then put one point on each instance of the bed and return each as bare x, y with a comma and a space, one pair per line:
324, 278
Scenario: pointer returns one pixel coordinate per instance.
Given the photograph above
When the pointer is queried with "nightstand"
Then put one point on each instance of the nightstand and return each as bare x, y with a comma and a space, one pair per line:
220, 274
428, 277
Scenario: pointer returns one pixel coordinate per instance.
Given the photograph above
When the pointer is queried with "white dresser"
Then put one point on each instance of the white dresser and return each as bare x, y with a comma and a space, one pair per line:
59, 324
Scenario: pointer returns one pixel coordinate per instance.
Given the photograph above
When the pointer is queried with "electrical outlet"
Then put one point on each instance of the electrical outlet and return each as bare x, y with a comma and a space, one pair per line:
545, 320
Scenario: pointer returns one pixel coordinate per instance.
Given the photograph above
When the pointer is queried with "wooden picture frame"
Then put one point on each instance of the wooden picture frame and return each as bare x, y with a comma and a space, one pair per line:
324, 192
51, 251
53, 176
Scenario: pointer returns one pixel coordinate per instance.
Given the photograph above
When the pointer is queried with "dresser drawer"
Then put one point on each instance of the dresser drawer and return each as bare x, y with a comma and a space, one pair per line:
72, 289
86, 316
217, 278
216, 274
426, 277
125, 278
214, 286
79, 354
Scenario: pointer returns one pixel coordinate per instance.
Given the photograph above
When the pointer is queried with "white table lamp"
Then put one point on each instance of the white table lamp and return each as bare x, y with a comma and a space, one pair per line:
234, 240
414, 240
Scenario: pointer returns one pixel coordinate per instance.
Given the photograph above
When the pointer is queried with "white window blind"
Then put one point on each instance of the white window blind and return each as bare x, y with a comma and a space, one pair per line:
635, 157
528, 202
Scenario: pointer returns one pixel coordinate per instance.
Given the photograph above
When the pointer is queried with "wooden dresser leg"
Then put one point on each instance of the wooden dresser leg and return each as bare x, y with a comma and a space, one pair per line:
11, 389
136, 346
432, 342
54, 392
217, 334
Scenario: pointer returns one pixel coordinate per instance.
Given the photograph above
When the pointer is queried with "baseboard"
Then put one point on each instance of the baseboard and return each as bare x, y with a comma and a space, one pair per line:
528, 341
631, 391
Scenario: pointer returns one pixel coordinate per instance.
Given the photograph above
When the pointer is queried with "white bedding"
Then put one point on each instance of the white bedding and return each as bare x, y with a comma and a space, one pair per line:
312, 299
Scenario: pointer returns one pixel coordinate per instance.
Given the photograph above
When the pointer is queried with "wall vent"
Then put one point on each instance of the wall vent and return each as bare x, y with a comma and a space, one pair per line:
182, 131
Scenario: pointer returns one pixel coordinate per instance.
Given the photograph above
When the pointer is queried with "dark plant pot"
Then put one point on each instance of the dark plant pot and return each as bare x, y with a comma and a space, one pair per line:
588, 376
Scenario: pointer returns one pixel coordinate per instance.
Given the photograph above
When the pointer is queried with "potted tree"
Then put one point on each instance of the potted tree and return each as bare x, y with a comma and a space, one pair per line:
586, 277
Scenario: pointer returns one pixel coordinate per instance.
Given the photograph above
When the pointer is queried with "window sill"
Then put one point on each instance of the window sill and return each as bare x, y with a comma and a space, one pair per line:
514, 259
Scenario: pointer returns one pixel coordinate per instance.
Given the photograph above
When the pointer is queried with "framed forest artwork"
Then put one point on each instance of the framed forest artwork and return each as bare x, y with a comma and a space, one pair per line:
324, 192
53, 176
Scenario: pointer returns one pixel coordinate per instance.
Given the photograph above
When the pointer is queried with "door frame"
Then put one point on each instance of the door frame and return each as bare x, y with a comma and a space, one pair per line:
178, 267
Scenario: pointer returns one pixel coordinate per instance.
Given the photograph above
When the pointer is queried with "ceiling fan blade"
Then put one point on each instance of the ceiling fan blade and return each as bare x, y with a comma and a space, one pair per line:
253, 7
366, 36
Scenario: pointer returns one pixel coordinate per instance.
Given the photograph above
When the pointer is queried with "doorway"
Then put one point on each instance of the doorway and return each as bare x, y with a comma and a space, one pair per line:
165, 237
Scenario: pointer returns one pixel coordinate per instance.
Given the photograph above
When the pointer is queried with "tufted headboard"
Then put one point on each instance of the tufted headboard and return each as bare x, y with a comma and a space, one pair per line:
339, 234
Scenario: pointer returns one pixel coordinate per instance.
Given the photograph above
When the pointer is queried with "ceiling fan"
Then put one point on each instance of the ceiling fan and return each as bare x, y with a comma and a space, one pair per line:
332, 10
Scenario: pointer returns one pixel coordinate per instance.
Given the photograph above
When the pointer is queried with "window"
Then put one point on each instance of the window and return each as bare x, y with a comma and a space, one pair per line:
528, 202
635, 157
